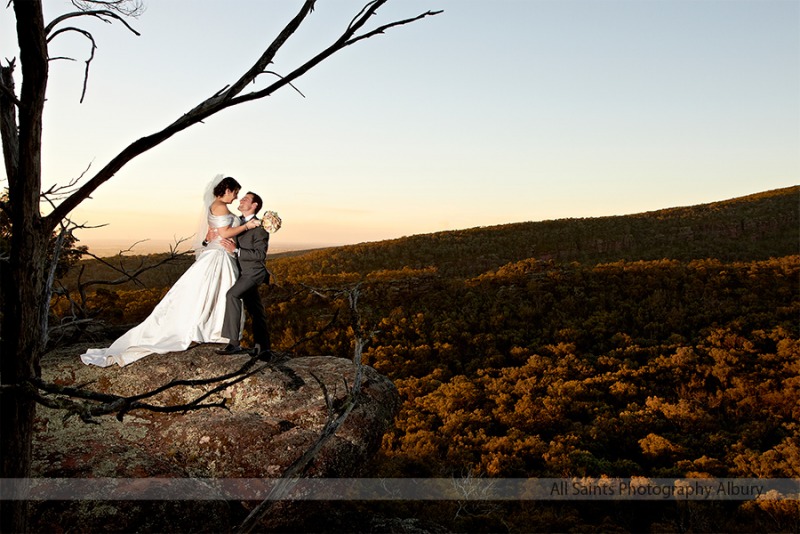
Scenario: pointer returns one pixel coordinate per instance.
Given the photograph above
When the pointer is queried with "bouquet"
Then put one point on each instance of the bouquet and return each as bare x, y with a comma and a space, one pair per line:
271, 222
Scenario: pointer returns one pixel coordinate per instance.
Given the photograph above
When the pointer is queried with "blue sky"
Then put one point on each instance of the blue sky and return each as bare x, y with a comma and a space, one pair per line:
491, 112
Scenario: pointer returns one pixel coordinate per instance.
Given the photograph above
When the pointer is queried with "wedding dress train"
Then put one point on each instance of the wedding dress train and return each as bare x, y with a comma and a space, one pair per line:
192, 310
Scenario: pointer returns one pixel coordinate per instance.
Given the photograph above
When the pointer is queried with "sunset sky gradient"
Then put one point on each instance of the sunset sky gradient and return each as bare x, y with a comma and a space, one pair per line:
491, 112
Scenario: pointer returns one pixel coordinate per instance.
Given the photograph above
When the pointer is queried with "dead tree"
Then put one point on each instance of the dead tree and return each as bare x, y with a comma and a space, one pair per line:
80, 317
25, 289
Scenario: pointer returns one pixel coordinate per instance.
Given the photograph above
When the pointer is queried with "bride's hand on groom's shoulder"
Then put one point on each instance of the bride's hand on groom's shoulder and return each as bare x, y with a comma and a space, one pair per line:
253, 223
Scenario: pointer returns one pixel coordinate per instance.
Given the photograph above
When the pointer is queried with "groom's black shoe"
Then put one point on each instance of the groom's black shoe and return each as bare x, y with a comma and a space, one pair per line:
232, 349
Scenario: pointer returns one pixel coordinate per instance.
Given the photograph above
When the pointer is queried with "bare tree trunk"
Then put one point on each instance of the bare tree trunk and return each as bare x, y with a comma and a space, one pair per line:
24, 279
22, 344
22, 337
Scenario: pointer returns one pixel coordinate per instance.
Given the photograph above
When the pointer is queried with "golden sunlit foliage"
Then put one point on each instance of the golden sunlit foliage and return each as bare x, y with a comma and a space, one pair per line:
660, 368
509, 364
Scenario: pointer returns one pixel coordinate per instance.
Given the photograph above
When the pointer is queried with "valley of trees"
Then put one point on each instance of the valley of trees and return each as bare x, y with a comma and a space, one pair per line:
664, 344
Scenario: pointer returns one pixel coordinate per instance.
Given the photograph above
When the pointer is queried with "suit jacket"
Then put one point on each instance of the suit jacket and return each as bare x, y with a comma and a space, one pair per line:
253, 245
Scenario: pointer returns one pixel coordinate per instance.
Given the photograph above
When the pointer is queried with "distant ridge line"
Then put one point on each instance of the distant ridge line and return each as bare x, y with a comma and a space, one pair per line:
752, 227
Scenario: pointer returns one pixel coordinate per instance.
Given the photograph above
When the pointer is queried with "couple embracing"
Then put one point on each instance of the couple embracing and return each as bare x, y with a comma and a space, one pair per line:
207, 303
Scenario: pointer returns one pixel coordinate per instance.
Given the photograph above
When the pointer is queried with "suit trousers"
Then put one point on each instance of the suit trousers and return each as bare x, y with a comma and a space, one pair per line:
245, 291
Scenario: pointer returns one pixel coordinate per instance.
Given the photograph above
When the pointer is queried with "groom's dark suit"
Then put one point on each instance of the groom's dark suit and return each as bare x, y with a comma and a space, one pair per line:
252, 254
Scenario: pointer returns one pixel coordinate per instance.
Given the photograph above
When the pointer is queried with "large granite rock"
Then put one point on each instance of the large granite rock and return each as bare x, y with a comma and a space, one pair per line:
272, 417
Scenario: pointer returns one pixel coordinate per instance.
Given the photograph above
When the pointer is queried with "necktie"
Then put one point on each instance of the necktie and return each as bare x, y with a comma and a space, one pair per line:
242, 219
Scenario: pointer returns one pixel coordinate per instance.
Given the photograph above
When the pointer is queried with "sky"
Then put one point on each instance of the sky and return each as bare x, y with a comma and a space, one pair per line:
492, 112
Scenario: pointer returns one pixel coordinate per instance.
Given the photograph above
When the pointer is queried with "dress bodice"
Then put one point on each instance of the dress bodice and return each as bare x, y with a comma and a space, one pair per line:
220, 221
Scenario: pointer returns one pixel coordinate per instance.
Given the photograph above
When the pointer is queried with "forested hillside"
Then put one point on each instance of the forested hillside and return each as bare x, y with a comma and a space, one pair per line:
755, 227
661, 344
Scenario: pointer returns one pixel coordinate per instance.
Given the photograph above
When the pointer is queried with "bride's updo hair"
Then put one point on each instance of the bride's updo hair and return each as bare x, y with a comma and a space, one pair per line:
227, 184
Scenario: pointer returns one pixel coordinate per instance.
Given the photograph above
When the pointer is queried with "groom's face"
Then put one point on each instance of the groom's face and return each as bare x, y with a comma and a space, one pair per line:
246, 205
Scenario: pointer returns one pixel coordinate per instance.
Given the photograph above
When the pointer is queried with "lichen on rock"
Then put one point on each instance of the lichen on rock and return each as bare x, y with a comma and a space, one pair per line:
271, 418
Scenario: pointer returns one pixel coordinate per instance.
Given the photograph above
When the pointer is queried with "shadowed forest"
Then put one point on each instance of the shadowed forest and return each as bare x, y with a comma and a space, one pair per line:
662, 344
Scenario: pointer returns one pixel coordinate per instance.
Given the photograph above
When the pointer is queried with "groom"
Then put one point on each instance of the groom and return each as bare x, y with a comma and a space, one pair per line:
251, 252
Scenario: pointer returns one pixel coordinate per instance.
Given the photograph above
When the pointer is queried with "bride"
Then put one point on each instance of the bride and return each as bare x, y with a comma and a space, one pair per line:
194, 308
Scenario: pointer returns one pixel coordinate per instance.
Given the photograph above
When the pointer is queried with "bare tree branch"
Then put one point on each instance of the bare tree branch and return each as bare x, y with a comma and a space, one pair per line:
6, 87
385, 27
97, 404
205, 109
290, 85
225, 98
8, 122
346, 39
114, 404
132, 276
129, 8
91, 53
268, 55
335, 420
56, 191
100, 14
51, 276
359, 19
79, 317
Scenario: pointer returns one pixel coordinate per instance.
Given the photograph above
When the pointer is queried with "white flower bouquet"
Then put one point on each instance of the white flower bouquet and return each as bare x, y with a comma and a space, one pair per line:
271, 222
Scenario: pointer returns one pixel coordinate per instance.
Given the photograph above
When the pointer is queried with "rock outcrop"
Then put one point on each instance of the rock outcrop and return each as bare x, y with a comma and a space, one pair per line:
271, 417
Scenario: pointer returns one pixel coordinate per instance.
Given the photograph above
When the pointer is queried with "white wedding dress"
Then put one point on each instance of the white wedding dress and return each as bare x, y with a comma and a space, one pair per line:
192, 310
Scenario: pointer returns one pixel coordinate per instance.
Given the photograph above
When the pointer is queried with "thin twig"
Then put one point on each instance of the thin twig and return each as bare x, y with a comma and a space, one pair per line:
107, 403
89, 36
290, 83
132, 276
96, 13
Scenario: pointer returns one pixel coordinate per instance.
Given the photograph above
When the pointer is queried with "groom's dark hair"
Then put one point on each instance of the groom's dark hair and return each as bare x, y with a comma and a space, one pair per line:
257, 200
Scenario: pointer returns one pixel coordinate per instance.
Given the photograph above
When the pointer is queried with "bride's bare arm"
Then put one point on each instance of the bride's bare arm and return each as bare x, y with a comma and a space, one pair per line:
233, 231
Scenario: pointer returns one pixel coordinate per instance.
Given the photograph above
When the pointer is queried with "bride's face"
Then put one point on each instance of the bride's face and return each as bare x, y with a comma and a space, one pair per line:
230, 196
